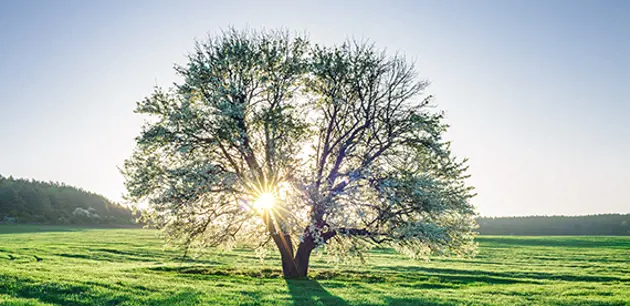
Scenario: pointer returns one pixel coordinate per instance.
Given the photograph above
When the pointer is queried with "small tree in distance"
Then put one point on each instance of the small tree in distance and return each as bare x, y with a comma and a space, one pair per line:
271, 138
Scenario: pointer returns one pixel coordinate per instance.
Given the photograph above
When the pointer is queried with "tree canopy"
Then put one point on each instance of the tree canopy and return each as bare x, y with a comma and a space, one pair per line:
269, 137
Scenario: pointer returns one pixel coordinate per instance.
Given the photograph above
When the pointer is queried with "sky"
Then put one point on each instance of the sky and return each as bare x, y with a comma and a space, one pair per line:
537, 93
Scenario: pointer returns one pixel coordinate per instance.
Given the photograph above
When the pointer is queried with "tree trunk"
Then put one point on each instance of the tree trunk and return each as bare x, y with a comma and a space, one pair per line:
303, 256
294, 266
285, 247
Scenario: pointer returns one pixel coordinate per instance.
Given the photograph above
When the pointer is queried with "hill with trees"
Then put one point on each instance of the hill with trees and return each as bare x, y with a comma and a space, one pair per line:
605, 224
31, 201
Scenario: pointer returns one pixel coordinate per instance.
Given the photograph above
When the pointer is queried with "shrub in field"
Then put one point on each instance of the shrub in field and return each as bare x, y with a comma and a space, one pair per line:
81, 215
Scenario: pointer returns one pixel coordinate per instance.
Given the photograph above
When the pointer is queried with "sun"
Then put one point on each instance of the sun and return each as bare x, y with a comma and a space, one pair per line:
265, 201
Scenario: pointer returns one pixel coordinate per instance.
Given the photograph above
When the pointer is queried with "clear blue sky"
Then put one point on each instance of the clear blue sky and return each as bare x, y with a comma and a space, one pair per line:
537, 92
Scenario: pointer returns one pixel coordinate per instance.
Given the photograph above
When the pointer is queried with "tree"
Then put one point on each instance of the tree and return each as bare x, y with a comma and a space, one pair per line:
271, 138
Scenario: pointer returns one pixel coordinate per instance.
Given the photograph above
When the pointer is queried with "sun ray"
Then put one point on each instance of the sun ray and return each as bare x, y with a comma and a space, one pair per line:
265, 201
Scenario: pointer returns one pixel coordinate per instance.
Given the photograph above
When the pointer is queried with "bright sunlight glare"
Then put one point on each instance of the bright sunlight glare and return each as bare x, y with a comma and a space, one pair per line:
265, 201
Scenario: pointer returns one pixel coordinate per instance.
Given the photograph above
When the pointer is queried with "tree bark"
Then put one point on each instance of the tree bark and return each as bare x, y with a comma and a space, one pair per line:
285, 247
303, 256
294, 266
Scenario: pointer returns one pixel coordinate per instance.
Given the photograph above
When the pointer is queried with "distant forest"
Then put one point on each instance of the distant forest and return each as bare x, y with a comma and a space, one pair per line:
608, 224
31, 201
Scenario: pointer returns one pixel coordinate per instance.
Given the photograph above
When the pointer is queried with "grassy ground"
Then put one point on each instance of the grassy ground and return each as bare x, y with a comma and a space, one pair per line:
80, 266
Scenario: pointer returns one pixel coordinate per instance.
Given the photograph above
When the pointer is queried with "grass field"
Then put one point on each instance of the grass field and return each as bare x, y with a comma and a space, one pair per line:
80, 266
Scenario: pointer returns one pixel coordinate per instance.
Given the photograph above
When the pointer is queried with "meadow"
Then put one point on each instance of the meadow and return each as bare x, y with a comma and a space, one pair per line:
51, 265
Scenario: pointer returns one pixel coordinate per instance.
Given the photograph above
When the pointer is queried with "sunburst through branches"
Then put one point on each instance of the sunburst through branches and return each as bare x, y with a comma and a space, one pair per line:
267, 195
265, 201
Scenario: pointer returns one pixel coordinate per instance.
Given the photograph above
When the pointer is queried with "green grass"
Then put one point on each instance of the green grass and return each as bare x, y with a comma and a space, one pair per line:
82, 266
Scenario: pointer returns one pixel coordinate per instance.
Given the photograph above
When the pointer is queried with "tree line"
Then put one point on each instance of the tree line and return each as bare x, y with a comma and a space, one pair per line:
32, 201
604, 224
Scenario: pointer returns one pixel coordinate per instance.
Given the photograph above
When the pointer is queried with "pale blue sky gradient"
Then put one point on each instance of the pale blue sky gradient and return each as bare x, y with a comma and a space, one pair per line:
537, 92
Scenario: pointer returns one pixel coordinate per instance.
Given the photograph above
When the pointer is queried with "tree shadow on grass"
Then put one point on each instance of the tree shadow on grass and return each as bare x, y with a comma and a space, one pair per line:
310, 292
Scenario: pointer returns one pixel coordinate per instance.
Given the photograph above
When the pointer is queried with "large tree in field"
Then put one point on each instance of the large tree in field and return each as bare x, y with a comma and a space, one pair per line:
270, 138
